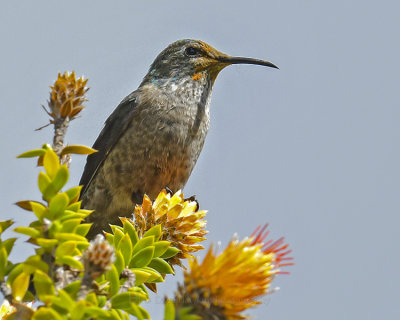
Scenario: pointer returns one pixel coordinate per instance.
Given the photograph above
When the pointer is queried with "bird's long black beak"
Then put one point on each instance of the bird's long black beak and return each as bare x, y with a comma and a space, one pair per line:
243, 60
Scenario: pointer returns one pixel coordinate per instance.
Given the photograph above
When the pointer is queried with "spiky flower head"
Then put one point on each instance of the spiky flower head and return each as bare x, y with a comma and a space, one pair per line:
226, 284
181, 222
98, 257
67, 96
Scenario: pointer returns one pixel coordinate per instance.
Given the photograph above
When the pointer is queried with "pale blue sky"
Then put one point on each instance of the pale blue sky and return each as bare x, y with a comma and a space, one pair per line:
311, 148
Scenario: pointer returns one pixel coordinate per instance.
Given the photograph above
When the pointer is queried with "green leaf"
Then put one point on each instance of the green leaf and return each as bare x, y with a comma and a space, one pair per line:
66, 248
50, 192
124, 300
5, 224
77, 311
161, 247
70, 225
43, 285
143, 243
58, 204
144, 312
69, 236
51, 163
154, 231
119, 261
141, 276
171, 251
130, 229
61, 177
169, 313
109, 237
20, 285
161, 266
155, 276
39, 209
33, 233
135, 311
118, 235
46, 243
32, 153
8, 244
142, 258
3, 262
82, 229
77, 149
73, 288
16, 270
74, 206
125, 245
43, 181
70, 261
112, 276
44, 313
34, 263
96, 313
73, 193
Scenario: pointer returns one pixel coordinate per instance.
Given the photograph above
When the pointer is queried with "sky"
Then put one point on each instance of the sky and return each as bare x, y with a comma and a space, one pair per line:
312, 148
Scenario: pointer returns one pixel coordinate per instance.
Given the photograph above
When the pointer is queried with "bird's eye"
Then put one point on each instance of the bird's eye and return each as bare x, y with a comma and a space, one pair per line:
190, 51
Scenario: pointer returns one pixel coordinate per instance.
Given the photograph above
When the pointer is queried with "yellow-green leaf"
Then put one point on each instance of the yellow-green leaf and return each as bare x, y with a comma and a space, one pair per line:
32, 153
161, 266
46, 243
161, 247
119, 263
51, 163
3, 262
44, 313
124, 300
130, 229
77, 149
70, 261
73, 193
141, 276
43, 181
142, 258
143, 243
33, 233
34, 263
125, 245
39, 209
20, 285
69, 236
66, 248
112, 276
61, 178
171, 251
58, 204
169, 310
154, 231
82, 229
43, 285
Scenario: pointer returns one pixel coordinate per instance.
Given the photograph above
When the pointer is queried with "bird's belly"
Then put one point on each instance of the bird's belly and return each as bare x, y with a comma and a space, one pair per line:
148, 167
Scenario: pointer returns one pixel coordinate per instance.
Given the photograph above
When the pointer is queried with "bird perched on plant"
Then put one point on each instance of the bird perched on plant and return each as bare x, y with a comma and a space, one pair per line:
153, 138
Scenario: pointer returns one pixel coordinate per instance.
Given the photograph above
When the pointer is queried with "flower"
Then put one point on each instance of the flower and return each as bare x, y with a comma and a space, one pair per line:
181, 223
98, 257
67, 96
225, 284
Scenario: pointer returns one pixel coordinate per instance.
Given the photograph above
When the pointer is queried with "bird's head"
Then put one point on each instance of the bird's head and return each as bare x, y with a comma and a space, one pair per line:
196, 59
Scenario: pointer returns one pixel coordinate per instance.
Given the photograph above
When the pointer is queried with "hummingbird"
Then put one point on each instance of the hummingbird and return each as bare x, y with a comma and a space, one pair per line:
154, 137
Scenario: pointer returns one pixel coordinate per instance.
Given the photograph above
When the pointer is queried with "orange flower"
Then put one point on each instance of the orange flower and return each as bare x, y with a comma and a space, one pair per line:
67, 96
225, 284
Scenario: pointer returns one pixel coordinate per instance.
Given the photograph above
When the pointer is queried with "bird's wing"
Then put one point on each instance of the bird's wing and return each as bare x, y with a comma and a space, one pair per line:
114, 128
